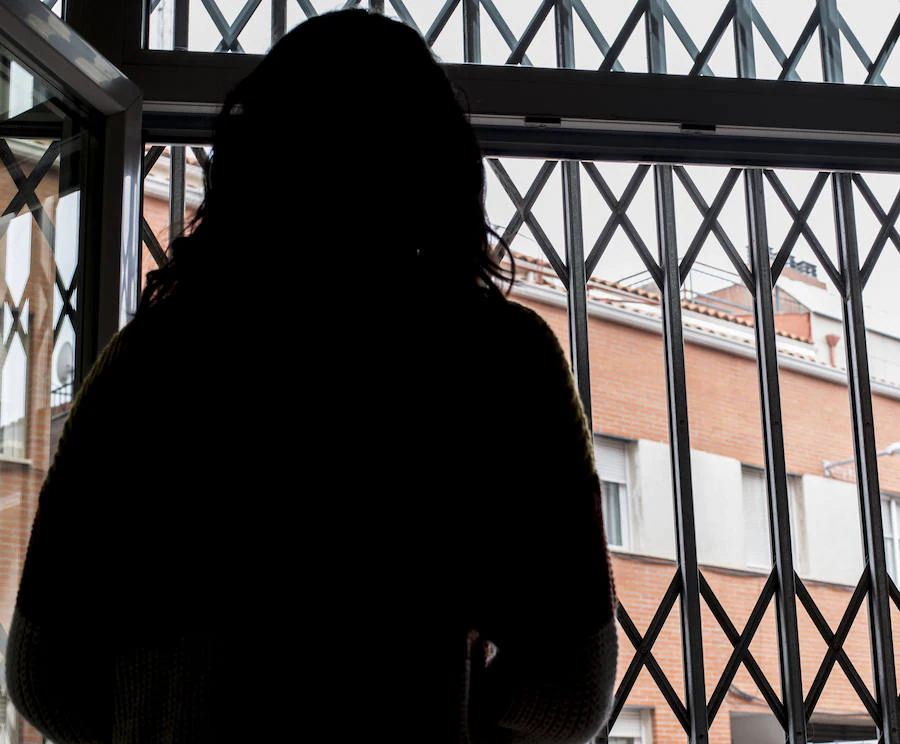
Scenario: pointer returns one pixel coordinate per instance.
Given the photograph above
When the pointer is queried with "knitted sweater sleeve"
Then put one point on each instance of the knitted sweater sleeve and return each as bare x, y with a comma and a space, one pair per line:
58, 663
551, 598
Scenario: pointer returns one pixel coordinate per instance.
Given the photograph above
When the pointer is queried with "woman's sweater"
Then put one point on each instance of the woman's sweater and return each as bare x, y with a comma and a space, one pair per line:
235, 543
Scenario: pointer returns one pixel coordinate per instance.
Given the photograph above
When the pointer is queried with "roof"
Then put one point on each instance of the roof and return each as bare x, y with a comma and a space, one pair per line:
545, 274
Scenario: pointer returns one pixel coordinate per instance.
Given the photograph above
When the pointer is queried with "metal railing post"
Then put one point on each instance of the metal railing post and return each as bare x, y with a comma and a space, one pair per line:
860, 390
574, 235
776, 472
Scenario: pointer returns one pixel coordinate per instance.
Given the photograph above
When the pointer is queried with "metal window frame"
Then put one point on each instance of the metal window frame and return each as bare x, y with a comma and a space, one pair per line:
111, 148
575, 115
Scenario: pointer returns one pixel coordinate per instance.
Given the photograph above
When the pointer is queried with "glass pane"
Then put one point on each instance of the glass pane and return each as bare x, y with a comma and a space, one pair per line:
520, 32
612, 513
629, 403
39, 276
756, 518
890, 558
157, 229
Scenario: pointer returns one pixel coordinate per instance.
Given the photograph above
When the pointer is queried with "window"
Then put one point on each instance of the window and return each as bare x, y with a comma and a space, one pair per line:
890, 503
633, 726
611, 459
757, 544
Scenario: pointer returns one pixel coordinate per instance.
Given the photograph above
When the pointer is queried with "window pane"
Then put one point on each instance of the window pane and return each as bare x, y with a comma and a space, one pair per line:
612, 512
756, 519
39, 278
628, 375
519, 32
890, 558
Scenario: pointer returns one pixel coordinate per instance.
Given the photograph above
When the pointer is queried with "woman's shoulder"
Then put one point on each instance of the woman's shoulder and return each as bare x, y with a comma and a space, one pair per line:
523, 319
135, 345
518, 327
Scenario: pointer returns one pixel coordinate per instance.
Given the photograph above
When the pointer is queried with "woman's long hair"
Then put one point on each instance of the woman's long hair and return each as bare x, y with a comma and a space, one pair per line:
344, 153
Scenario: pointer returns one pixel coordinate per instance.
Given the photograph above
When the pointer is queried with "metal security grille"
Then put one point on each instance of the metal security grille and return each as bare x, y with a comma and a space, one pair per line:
600, 40
26, 200
175, 182
40, 272
668, 263
668, 268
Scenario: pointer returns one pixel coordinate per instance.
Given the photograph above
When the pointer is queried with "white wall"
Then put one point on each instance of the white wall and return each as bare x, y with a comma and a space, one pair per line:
826, 518
718, 505
718, 510
755, 728
831, 516
651, 510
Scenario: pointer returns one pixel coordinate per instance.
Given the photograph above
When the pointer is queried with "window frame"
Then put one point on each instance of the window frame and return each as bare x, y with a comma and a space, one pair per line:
589, 115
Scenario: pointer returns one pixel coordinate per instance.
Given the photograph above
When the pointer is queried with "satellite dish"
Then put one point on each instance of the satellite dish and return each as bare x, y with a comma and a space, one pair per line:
65, 363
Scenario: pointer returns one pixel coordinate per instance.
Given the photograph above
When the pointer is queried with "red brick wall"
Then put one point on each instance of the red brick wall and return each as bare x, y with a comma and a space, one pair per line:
628, 399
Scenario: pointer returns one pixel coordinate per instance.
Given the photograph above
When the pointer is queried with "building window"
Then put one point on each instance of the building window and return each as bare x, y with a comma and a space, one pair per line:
633, 726
757, 543
611, 460
890, 504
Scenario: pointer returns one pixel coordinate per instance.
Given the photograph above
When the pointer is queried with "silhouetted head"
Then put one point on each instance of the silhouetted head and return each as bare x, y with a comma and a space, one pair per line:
344, 153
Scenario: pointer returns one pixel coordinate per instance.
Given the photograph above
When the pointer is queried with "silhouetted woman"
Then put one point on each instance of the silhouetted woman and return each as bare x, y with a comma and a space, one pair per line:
328, 463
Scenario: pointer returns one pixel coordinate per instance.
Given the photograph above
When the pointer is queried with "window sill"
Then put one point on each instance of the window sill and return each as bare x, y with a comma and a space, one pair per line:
621, 549
9, 460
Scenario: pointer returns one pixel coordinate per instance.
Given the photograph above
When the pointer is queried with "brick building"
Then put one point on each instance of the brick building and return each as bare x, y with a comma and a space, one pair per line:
631, 436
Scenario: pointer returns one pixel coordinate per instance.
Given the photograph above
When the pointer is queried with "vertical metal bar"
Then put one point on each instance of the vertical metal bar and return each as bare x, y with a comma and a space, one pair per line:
5, 83
574, 233
679, 431
743, 39
472, 30
866, 460
656, 38
679, 439
279, 20
776, 474
830, 41
565, 34
180, 23
176, 191
146, 11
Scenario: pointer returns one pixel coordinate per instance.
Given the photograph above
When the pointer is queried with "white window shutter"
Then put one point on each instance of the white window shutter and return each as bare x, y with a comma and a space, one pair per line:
756, 518
610, 459
629, 725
